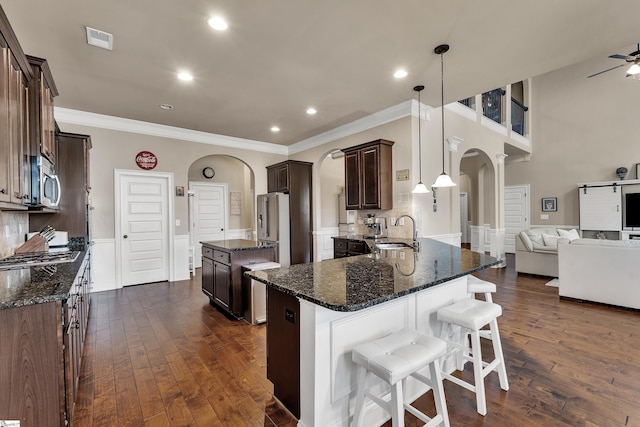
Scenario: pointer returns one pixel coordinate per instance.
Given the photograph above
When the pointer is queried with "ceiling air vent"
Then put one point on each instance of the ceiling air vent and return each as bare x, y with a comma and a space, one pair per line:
99, 38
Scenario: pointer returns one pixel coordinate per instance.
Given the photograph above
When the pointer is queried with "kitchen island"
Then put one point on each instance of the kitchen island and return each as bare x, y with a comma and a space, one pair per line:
222, 262
320, 311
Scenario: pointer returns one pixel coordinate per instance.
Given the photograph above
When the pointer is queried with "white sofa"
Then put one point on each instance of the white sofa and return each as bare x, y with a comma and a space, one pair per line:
604, 271
533, 256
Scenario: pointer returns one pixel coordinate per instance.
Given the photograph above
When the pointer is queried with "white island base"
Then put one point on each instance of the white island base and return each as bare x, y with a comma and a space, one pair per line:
327, 374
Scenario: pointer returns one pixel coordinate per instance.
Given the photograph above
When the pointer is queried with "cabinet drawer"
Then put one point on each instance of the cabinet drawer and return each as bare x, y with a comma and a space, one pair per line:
339, 245
357, 248
223, 257
207, 252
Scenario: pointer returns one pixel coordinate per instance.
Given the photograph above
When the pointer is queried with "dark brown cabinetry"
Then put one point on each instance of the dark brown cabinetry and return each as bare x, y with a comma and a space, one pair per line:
15, 74
222, 274
294, 178
73, 172
283, 348
368, 175
40, 359
348, 247
42, 127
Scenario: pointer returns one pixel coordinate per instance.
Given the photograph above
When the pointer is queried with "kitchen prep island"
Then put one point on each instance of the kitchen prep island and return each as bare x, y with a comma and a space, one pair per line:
317, 313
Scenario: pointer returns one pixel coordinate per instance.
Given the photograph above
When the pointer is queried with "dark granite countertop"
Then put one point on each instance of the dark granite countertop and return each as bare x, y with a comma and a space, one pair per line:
38, 284
237, 244
358, 282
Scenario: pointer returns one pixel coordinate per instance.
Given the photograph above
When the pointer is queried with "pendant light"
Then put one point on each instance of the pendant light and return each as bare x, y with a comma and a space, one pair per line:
443, 179
420, 188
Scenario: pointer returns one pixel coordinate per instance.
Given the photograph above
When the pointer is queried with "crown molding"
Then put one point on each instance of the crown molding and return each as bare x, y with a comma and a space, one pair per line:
76, 117
387, 115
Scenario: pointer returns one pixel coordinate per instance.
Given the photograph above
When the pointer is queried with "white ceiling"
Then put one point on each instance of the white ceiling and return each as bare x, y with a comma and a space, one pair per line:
280, 56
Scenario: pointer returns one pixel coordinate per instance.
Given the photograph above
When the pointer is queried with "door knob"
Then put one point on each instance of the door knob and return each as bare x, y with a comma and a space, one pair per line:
222, 229
125, 236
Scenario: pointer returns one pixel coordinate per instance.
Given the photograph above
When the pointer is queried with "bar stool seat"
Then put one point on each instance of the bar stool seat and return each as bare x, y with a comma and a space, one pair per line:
479, 286
472, 315
393, 359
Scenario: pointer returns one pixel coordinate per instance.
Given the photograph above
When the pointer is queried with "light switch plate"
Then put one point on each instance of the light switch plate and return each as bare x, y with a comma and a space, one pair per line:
544, 216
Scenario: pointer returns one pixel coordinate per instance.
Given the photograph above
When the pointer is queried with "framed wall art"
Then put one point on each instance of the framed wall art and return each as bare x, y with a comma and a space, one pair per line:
549, 204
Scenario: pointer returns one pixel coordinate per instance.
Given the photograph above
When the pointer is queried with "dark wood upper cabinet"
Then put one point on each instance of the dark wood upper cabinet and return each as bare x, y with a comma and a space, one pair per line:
15, 75
294, 178
368, 175
42, 128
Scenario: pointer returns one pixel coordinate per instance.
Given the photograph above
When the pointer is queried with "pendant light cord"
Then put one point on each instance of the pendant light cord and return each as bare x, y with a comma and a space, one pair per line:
442, 94
419, 137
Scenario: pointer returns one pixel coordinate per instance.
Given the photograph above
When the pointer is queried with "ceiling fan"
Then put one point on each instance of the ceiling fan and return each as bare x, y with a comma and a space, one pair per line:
633, 58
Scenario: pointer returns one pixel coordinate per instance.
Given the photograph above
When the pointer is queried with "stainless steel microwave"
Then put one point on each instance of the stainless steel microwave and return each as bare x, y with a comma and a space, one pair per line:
46, 184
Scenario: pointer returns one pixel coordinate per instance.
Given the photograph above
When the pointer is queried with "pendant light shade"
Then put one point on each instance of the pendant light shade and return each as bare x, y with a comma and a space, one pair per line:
443, 179
420, 188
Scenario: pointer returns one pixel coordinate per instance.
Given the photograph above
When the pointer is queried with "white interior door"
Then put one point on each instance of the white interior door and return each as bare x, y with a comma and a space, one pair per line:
516, 214
143, 227
209, 215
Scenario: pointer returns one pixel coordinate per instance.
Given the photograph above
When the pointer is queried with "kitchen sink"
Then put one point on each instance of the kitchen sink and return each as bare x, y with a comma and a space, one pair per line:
393, 246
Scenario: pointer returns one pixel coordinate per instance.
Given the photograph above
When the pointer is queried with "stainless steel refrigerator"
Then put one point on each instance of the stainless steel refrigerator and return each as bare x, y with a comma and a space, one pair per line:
273, 224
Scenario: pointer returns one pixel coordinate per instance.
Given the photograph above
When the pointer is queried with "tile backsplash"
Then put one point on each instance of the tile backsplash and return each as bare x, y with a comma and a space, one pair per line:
13, 227
401, 231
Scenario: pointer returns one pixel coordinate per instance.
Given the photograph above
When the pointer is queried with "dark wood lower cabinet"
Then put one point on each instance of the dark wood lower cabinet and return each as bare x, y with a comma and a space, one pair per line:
283, 348
40, 356
349, 247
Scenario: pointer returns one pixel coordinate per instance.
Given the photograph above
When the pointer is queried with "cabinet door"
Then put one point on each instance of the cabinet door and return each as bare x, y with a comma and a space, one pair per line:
16, 127
221, 283
352, 180
370, 178
282, 173
5, 152
601, 208
272, 180
207, 276
339, 248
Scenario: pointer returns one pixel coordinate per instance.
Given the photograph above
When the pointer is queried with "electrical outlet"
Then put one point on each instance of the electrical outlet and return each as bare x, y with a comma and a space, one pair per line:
544, 216
392, 220
401, 254
177, 223
401, 222
6, 231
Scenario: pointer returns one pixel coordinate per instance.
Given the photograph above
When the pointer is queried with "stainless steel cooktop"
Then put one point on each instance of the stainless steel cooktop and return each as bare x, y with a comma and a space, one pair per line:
31, 259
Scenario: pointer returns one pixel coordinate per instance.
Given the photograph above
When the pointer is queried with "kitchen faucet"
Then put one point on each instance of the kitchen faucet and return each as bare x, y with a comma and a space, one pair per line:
415, 232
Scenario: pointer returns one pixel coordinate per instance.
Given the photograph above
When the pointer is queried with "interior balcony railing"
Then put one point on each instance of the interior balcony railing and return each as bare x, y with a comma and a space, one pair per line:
518, 112
492, 107
469, 102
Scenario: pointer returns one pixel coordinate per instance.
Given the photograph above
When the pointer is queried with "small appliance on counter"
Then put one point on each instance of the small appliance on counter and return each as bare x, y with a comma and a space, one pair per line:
376, 227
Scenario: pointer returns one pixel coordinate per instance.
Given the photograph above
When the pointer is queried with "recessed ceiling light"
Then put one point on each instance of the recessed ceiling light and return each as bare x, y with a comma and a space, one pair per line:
275, 129
311, 111
400, 74
218, 23
166, 106
183, 75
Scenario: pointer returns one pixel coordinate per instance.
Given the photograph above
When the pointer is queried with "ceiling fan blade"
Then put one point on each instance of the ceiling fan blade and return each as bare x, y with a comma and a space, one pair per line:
608, 69
625, 57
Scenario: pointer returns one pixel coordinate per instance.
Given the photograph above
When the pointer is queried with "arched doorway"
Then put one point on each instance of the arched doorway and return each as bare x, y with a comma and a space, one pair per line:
221, 201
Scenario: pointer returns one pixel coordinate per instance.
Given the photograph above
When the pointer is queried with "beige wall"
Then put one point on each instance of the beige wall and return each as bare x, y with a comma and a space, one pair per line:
116, 150
331, 185
584, 130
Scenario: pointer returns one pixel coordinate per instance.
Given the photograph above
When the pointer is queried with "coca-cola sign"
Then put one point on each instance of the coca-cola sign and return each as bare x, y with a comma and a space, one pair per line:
146, 160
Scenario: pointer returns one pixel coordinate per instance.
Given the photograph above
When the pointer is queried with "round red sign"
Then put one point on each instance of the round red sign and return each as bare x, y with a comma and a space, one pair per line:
146, 160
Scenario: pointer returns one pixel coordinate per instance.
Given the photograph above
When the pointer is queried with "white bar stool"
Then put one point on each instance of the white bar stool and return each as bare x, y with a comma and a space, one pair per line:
393, 359
472, 315
479, 286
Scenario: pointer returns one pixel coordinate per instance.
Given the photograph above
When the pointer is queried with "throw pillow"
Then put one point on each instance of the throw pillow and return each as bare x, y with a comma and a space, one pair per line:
549, 240
569, 234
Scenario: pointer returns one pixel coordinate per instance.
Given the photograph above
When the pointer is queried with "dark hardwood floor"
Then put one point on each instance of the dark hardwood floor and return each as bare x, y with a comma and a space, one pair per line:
160, 355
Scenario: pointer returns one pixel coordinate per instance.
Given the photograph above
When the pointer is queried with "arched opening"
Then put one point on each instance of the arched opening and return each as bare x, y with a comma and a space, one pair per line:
331, 217
221, 200
478, 185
